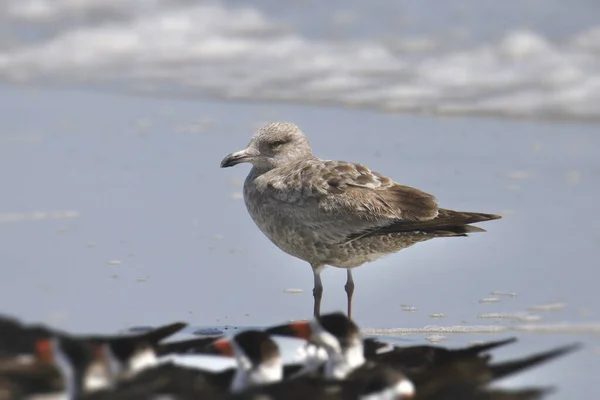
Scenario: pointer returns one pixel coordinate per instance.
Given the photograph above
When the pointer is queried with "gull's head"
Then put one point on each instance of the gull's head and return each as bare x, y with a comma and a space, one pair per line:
274, 145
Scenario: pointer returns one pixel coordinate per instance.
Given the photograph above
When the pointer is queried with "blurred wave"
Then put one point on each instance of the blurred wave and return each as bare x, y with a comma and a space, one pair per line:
223, 49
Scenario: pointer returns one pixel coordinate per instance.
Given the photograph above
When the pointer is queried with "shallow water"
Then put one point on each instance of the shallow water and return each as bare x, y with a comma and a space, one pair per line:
115, 213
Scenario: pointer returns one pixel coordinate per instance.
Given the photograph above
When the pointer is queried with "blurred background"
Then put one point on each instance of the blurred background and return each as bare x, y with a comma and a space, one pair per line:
114, 117
532, 58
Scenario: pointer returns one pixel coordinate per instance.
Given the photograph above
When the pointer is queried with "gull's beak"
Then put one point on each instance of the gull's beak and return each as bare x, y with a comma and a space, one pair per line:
236, 158
300, 330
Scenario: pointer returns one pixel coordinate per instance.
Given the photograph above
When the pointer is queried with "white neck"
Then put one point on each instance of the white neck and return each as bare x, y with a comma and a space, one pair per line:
266, 373
142, 359
340, 364
66, 369
247, 376
312, 358
97, 377
114, 365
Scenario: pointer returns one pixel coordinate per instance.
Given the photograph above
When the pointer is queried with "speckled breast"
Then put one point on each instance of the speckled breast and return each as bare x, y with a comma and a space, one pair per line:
286, 233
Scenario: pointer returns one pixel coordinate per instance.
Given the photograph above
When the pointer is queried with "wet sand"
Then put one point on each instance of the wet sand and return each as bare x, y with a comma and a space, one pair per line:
115, 213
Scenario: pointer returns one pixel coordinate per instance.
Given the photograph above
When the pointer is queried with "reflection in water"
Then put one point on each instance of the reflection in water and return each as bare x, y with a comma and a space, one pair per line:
335, 212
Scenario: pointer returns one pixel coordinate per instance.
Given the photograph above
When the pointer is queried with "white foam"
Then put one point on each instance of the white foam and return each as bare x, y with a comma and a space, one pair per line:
50, 10
520, 45
537, 328
211, 49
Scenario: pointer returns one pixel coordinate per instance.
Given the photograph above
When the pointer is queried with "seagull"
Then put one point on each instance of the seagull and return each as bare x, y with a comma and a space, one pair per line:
336, 213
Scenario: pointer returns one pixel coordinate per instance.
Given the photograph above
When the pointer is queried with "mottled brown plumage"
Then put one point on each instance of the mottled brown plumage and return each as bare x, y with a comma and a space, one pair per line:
336, 213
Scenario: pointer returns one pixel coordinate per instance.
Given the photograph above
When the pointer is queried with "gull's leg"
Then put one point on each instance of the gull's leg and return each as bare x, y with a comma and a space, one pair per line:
349, 286
317, 289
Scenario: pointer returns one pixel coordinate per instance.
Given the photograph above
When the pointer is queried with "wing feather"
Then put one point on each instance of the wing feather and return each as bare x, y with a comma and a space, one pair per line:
343, 188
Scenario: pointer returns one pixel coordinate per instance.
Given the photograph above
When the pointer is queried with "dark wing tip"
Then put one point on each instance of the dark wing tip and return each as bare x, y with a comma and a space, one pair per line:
162, 332
468, 217
491, 217
485, 347
510, 367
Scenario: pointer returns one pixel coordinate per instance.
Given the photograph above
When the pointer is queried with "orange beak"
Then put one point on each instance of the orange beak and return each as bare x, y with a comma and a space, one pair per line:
300, 330
43, 350
223, 347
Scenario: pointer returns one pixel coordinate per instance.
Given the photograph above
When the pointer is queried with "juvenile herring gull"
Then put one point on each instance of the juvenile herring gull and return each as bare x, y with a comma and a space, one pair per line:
335, 213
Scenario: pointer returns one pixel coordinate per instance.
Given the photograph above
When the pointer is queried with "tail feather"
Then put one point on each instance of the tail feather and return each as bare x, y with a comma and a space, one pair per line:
454, 220
465, 217
447, 223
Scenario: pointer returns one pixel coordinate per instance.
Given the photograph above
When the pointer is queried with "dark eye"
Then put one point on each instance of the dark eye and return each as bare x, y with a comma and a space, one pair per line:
277, 143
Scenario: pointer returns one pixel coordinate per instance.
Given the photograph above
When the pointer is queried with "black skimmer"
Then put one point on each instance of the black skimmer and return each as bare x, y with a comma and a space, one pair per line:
42, 361
342, 341
257, 357
167, 380
480, 372
73, 362
375, 383
187, 346
79, 366
127, 353
418, 358
260, 374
